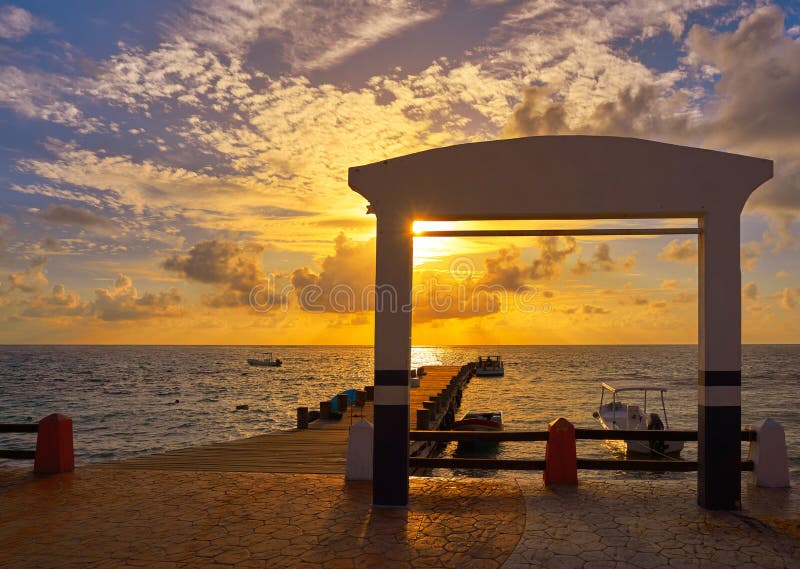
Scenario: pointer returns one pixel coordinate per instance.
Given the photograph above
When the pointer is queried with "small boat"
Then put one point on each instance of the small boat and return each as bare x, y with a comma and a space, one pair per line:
480, 421
489, 366
625, 415
268, 361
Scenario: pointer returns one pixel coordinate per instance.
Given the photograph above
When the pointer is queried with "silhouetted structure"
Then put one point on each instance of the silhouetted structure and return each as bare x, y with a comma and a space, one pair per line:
565, 177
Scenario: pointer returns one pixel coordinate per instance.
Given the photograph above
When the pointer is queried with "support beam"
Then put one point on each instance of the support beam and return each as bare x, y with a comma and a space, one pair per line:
394, 265
720, 376
556, 232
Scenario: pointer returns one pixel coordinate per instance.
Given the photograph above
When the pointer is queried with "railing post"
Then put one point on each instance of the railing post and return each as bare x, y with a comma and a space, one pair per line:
561, 461
54, 452
302, 417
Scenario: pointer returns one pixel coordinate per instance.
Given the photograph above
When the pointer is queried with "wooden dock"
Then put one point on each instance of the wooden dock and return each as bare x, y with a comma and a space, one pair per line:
320, 449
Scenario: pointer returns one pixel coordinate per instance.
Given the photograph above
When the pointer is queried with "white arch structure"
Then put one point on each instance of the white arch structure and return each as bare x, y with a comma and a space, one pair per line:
566, 177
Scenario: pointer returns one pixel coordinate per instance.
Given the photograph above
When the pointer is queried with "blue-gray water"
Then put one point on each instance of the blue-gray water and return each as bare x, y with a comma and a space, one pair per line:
132, 400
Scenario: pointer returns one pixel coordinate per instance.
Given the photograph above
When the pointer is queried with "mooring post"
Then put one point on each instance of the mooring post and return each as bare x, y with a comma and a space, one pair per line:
341, 402
561, 461
302, 417
423, 419
325, 408
54, 450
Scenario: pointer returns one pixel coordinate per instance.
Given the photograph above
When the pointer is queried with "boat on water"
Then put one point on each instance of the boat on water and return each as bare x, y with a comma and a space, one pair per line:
267, 361
480, 421
622, 414
489, 366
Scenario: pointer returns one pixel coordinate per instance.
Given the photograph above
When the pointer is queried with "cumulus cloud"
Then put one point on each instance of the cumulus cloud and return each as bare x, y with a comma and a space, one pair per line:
235, 269
679, 251
123, 302
29, 280
58, 303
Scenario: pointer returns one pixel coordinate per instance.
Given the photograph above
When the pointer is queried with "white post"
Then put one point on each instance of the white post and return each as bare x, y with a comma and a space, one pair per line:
359, 452
770, 459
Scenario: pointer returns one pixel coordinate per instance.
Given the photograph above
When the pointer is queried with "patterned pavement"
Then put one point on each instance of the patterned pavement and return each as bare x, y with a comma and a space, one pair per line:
166, 519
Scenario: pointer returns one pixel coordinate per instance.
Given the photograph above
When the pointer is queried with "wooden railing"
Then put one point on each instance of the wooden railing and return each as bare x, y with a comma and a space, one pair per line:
18, 428
662, 465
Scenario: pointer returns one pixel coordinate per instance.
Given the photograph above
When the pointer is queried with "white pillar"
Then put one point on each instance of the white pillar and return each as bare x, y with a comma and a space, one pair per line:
720, 375
394, 266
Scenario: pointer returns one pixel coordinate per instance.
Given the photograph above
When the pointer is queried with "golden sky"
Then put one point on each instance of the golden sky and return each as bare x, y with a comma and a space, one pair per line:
177, 172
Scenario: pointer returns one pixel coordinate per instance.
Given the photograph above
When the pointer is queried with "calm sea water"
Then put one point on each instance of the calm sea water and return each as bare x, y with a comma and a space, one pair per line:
131, 400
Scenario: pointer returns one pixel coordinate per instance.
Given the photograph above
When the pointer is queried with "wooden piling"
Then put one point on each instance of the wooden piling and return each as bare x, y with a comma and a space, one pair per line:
302, 417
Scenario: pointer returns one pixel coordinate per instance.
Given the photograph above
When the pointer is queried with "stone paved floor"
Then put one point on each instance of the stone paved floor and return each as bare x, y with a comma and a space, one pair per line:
145, 518
623, 524
116, 518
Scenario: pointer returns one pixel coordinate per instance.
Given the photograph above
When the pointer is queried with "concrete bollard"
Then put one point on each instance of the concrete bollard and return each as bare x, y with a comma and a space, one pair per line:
561, 460
325, 408
302, 417
770, 459
423, 419
370, 391
54, 452
359, 452
341, 402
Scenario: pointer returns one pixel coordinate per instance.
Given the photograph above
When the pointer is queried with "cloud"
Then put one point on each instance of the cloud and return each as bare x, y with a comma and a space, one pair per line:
551, 256
750, 253
345, 282
314, 35
789, 297
669, 283
69, 215
750, 291
58, 303
51, 244
505, 269
601, 260
16, 23
30, 280
44, 96
679, 251
589, 309
123, 302
233, 268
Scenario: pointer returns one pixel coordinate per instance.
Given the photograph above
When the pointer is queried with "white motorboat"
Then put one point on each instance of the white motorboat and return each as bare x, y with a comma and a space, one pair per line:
480, 421
267, 361
489, 366
622, 414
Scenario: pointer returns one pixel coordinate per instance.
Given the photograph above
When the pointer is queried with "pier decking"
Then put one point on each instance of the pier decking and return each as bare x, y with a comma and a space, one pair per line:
320, 449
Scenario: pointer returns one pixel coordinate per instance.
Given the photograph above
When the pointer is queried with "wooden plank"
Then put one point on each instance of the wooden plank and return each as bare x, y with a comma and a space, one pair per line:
477, 463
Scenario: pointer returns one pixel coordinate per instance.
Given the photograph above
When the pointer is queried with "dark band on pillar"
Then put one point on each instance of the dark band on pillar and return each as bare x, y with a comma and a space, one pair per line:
391, 377
720, 378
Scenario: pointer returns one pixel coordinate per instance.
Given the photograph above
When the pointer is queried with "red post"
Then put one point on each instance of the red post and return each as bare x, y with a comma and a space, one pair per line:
54, 451
561, 458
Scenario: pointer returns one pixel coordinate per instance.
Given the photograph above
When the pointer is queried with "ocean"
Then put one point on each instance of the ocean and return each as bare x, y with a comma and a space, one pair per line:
127, 401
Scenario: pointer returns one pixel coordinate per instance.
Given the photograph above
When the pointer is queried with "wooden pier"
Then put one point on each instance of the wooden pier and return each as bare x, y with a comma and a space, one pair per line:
322, 447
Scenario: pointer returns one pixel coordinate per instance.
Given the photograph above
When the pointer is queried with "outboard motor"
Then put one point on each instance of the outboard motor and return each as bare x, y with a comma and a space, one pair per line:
654, 423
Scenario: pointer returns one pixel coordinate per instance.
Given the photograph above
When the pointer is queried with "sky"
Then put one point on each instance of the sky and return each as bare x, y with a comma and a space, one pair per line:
176, 171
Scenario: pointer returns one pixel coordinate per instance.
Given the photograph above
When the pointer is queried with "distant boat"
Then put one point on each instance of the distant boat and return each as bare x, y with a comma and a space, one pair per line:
619, 415
268, 361
480, 421
489, 366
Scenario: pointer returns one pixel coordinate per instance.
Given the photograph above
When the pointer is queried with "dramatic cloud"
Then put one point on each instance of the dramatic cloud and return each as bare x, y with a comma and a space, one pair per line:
679, 251
30, 280
69, 215
505, 269
551, 257
236, 269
